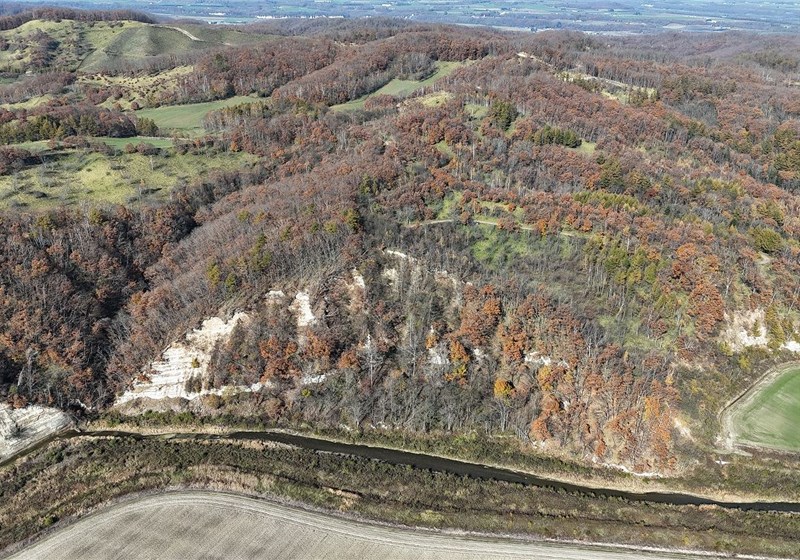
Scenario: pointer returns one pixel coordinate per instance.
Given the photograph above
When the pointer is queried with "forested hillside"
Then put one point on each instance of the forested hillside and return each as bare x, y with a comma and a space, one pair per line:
587, 244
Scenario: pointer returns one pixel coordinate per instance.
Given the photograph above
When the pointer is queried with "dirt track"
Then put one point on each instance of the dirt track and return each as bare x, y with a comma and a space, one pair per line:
186, 525
182, 31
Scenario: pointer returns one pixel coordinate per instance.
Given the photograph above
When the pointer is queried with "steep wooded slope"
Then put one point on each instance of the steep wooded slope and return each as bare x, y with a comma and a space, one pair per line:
563, 240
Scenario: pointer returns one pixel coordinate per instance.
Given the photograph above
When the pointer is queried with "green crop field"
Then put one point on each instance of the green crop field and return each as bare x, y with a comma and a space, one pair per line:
771, 415
188, 117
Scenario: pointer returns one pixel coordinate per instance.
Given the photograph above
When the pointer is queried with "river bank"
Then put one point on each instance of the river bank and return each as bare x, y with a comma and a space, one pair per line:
72, 477
436, 463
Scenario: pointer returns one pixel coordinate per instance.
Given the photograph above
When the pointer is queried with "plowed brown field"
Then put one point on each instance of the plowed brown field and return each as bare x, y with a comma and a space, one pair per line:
186, 525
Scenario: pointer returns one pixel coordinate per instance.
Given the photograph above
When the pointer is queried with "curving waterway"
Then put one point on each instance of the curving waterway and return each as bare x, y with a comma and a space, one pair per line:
429, 462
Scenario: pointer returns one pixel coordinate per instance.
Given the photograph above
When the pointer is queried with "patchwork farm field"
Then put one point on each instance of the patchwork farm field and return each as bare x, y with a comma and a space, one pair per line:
769, 414
211, 525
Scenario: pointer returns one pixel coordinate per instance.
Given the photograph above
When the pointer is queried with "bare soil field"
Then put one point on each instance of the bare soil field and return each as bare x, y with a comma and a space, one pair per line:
199, 524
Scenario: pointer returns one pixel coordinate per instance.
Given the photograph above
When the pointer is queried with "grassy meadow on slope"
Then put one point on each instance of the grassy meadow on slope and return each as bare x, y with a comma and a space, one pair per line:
136, 42
143, 89
68, 45
479, 259
222, 35
76, 177
402, 88
188, 117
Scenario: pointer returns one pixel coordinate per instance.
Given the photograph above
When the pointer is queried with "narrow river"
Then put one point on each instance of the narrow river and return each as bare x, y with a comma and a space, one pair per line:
430, 462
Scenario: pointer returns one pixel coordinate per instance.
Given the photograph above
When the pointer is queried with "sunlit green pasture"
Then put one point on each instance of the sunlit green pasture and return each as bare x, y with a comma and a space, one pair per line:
69, 177
772, 416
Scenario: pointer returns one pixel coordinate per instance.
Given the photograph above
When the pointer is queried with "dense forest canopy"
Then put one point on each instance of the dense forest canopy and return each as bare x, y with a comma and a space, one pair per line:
582, 242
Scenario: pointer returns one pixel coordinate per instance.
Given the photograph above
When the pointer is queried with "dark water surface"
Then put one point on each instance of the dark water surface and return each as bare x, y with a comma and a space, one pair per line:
432, 463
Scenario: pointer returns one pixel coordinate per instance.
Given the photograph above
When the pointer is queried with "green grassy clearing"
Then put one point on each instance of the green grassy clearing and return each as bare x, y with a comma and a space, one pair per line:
74, 176
188, 117
121, 143
450, 205
498, 249
28, 104
444, 148
611, 89
435, 99
451, 202
35, 146
772, 417
402, 88
586, 147
476, 111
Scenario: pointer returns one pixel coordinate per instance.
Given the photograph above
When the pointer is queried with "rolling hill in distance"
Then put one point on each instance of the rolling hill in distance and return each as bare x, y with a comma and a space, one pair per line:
543, 285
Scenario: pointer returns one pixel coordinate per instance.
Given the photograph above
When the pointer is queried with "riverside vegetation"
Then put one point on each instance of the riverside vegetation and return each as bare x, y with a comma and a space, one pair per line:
91, 471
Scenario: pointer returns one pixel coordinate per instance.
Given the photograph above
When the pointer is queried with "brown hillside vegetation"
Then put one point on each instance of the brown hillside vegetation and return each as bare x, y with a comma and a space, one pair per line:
548, 242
